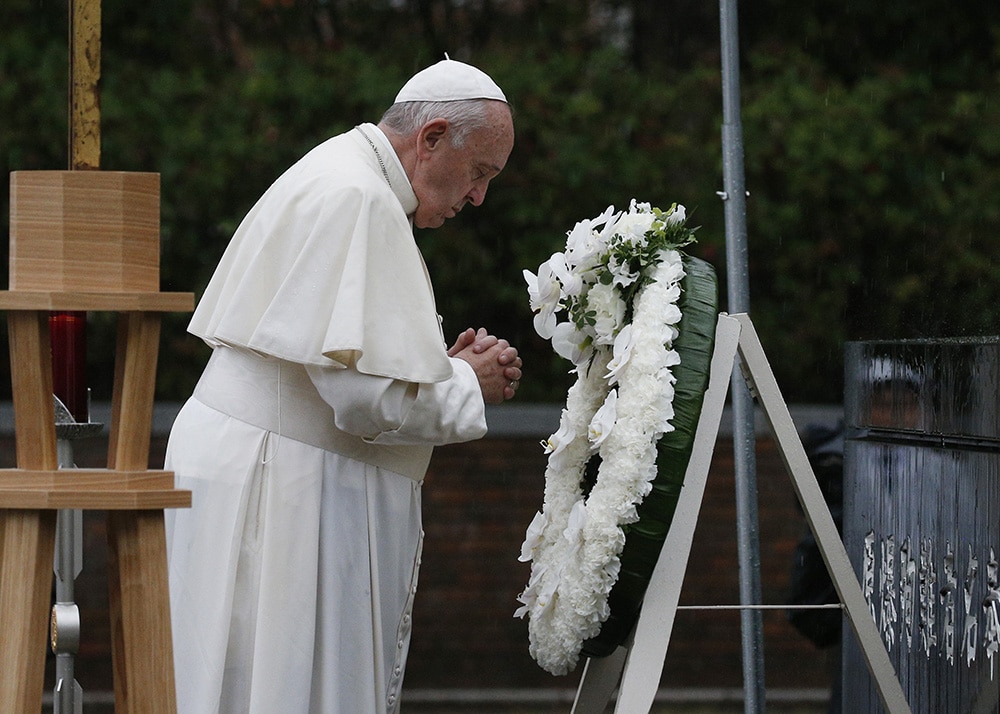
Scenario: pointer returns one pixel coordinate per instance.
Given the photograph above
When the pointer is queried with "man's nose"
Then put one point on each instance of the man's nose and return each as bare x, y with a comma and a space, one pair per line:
477, 195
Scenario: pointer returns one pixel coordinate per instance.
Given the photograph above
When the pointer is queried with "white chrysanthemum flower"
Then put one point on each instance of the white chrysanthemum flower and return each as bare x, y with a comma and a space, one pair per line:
634, 225
609, 312
671, 269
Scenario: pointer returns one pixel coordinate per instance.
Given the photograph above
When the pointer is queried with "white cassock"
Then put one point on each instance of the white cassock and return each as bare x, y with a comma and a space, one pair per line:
305, 444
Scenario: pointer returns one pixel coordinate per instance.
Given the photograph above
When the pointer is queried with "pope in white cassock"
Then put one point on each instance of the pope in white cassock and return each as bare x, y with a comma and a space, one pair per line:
305, 443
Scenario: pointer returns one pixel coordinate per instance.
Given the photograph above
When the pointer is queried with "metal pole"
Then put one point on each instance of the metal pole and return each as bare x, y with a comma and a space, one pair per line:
65, 631
734, 202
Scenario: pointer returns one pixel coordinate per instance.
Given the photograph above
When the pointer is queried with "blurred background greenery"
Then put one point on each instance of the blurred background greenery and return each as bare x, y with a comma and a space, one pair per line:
872, 148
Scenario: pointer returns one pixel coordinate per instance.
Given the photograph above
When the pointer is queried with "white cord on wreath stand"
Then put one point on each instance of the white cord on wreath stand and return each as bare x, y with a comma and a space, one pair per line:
639, 662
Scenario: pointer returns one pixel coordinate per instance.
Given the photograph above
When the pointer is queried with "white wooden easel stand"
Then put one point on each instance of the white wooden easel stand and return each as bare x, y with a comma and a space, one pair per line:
638, 663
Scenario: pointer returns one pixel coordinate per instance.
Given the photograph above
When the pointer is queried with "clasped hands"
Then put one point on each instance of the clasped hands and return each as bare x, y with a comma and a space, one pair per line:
494, 360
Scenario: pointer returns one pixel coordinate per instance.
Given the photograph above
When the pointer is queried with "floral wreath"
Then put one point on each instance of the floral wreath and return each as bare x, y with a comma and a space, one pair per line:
619, 282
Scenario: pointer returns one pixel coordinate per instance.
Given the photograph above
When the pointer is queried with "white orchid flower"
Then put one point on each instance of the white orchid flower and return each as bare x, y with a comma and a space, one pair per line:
533, 537
635, 206
621, 352
572, 283
535, 596
622, 275
583, 249
544, 295
563, 436
604, 420
568, 342
677, 214
610, 221
603, 219
579, 241
587, 237
574, 526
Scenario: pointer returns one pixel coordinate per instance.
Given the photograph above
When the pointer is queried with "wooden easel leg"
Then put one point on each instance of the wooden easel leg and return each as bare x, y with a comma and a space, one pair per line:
761, 380
142, 648
27, 546
134, 389
25, 588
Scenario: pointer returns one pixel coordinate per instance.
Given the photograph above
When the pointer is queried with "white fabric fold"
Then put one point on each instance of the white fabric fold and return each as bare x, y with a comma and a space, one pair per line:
324, 269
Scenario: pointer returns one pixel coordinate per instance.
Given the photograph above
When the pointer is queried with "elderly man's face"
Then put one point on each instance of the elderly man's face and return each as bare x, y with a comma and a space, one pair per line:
447, 177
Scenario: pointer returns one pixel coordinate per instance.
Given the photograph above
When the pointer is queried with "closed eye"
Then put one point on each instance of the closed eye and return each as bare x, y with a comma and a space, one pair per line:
485, 171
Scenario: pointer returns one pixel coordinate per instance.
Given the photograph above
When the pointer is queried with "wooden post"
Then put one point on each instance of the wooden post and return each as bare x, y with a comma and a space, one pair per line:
85, 76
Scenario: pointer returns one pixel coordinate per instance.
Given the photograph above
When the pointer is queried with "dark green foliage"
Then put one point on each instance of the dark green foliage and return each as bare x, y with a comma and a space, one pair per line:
872, 148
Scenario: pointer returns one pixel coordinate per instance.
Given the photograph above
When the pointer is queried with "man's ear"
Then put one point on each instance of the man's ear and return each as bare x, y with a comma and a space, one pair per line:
430, 136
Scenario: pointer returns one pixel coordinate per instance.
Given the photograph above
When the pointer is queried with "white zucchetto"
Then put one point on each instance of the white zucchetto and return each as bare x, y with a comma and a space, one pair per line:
449, 81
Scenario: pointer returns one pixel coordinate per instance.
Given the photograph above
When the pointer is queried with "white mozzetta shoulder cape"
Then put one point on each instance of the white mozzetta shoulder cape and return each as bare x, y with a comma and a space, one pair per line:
324, 269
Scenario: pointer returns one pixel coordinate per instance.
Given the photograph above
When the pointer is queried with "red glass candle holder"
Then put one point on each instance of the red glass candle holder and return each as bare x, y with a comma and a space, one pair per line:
68, 333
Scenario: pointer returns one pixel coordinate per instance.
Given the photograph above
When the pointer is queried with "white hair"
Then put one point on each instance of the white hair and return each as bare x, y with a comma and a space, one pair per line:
464, 116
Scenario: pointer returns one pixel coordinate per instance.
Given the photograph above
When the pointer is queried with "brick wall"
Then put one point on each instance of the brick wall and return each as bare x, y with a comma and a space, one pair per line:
478, 499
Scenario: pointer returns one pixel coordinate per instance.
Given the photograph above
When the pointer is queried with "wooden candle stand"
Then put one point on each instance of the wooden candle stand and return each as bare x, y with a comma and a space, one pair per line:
88, 241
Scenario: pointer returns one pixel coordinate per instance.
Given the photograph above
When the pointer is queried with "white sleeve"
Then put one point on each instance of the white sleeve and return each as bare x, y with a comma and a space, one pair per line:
389, 411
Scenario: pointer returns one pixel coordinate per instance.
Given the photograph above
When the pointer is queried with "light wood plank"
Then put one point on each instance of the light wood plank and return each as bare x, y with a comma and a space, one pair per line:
95, 500
25, 584
110, 302
84, 479
142, 648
